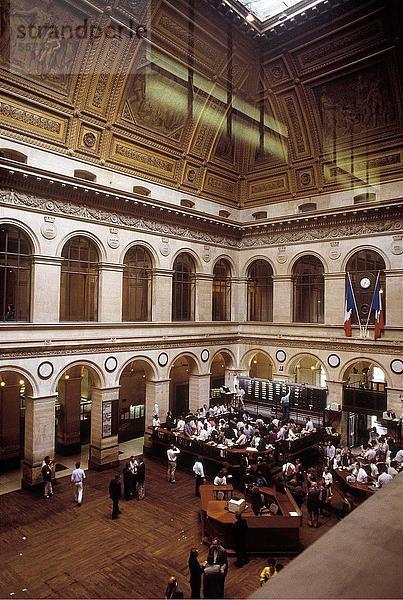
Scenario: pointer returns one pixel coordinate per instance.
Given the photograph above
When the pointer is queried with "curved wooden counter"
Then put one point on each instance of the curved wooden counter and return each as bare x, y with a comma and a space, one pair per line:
266, 533
355, 488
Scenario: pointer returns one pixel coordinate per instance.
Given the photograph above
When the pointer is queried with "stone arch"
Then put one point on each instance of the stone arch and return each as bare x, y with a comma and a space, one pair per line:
291, 365
249, 355
229, 260
151, 368
296, 258
192, 253
79, 363
87, 234
22, 373
358, 359
147, 246
366, 247
245, 268
32, 237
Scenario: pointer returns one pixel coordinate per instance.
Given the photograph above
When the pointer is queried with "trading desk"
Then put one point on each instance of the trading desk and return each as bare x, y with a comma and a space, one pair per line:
266, 533
357, 489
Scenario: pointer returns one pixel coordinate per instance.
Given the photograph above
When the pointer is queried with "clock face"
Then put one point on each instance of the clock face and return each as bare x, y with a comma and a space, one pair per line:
365, 283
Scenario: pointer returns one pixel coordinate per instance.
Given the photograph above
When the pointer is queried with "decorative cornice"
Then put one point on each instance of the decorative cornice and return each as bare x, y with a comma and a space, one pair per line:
121, 210
328, 345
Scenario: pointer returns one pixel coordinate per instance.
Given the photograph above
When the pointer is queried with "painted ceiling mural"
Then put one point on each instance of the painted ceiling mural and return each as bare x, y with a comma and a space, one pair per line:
171, 91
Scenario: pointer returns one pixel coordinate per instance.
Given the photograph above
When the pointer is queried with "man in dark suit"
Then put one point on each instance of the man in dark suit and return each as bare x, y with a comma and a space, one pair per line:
115, 493
240, 533
217, 555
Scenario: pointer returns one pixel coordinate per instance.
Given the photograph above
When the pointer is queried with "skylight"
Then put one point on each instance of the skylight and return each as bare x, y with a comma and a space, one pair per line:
266, 9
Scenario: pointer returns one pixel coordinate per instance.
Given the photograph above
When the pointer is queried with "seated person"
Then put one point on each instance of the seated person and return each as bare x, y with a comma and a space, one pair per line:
291, 434
297, 492
221, 478
358, 474
156, 422
241, 440
189, 428
309, 426
288, 470
170, 421
204, 435
384, 478
392, 468
399, 457
180, 424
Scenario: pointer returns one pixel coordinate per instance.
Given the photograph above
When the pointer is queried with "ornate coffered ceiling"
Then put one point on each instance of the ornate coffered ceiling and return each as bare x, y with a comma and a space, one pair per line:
176, 92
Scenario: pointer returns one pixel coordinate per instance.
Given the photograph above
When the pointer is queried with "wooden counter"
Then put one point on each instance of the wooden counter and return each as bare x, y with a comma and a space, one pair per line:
357, 489
266, 533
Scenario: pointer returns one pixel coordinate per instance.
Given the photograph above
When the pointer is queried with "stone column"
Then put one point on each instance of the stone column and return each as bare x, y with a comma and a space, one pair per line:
10, 421
157, 392
334, 298
39, 437
46, 287
110, 293
104, 451
162, 295
68, 430
394, 298
232, 376
239, 300
395, 400
199, 391
282, 299
204, 297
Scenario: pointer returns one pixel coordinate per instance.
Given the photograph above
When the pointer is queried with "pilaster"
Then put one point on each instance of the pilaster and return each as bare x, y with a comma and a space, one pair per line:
39, 437
104, 449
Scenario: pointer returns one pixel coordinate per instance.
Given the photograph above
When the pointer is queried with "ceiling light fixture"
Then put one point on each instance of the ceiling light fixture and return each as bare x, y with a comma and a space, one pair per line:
250, 18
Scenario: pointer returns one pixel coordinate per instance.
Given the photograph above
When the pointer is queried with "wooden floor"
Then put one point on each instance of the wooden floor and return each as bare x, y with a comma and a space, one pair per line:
55, 549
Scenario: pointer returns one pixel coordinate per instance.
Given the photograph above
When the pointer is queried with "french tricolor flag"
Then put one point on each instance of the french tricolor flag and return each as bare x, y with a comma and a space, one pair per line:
349, 306
377, 306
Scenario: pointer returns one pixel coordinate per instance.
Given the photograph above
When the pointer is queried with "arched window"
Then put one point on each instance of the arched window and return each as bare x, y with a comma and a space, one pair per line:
183, 288
222, 291
79, 284
260, 291
309, 290
363, 268
137, 278
15, 274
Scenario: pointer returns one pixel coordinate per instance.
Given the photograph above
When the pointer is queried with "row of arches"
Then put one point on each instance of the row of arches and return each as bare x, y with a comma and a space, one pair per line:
74, 387
80, 275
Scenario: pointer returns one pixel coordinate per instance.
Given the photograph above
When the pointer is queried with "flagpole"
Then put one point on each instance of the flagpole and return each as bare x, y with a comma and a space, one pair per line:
355, 303
372, 302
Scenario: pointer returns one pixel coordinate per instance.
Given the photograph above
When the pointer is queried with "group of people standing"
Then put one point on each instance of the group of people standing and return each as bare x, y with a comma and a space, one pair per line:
134, 479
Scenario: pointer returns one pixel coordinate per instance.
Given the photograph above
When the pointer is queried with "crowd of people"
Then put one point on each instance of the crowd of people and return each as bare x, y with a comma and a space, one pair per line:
223, 424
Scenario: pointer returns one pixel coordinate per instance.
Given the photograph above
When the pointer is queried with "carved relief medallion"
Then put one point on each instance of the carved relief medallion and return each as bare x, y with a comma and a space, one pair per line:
334, 251
206, 254
113, 238
396, 246
164, 247
48, 229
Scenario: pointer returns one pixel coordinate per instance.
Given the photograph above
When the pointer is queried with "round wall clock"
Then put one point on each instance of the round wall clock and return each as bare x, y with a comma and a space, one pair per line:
365, 283
205, 354
397, 366
163, 359
281, 355
333, 360
110, 364
45, 370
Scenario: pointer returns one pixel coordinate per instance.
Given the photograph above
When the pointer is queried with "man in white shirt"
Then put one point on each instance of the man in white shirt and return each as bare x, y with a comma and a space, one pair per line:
330, 453
362, 476
200, 477
180, 424
77, 478
285, 403
384, 479
242, 440
220, 479
172, 455
399, 457
309, 428
328, 479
